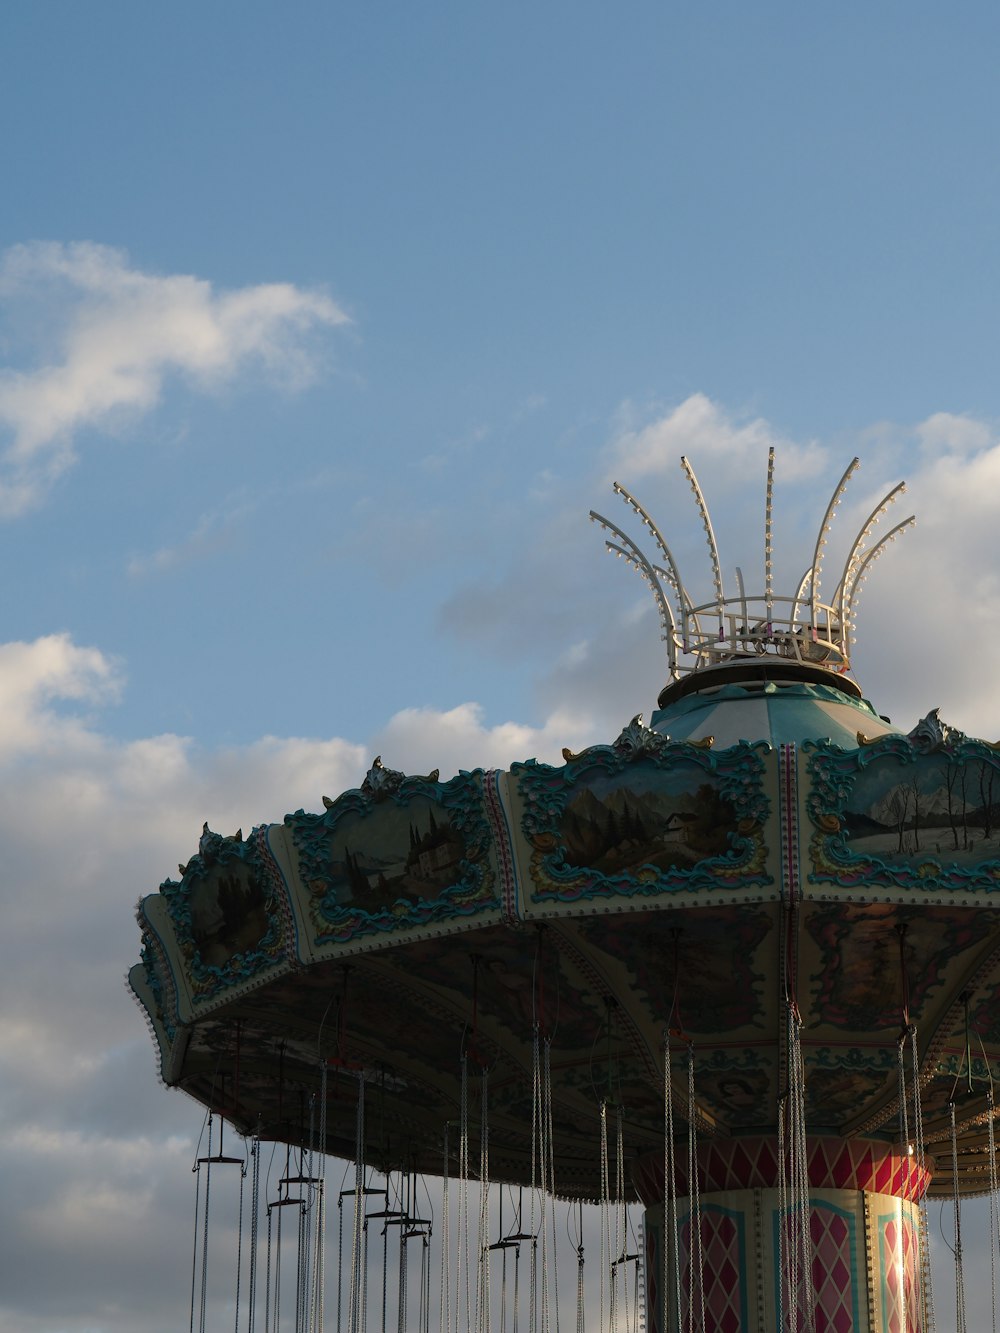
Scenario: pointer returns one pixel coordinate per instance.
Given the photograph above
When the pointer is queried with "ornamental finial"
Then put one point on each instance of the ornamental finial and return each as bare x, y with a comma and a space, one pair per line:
801, 628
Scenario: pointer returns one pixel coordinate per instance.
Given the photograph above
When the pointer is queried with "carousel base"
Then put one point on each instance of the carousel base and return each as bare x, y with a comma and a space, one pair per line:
864, 1265
865, 1245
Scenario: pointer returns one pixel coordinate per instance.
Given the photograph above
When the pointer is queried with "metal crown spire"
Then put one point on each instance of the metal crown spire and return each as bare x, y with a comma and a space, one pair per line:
801, 628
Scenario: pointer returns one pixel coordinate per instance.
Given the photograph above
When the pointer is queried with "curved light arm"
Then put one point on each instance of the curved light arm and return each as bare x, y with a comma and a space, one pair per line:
804, 583
712, 546
650, 574
824, 528
854, 555
684, 602
853, 591
634, 557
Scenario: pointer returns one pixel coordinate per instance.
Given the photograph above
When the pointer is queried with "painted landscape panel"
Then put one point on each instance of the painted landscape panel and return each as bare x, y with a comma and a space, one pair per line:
645, 817
934, 806
899, 815
228, 913
406, 853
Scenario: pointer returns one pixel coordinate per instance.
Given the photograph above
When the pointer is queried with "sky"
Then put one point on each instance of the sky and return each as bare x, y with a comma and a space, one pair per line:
322, 327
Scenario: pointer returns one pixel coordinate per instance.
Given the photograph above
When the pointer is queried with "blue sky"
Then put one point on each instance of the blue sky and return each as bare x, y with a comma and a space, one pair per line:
321, 329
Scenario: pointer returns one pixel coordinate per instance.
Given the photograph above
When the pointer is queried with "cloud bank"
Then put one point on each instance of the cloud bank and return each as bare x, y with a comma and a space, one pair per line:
106, 336
94, 1156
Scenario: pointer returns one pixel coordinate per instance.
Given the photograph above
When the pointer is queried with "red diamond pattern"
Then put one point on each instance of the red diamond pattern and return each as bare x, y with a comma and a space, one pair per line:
901, 1300
834, 1261
767, 1158
893, 1306
751, 1163
723, 1271
833, 1269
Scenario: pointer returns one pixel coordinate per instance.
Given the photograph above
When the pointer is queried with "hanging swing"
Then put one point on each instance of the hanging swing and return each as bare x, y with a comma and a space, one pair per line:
202, 1248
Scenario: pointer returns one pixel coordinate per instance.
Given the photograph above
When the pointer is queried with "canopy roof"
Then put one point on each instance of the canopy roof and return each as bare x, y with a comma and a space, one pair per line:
641, 886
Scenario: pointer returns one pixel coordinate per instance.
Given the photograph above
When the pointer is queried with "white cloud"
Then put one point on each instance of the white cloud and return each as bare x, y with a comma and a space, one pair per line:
703, 430
108, 337
416, 740
946, 432
929, 626
35, 675
94, 1155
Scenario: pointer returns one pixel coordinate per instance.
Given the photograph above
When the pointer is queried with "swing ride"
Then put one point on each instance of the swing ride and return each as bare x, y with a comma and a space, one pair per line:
741, 967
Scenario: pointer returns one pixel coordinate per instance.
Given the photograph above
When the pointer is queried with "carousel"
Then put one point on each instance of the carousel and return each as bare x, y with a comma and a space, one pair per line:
681, 1034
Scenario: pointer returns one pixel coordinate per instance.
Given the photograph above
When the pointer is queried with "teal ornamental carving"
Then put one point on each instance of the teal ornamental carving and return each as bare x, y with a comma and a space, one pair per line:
229, 913
158, 976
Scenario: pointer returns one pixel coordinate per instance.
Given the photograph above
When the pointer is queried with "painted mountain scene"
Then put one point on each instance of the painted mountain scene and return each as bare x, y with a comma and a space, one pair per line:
640, 818
932, 808
409, 852
228, 913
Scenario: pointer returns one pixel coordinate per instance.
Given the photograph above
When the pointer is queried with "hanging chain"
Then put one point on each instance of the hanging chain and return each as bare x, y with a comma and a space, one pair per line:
696, 1267
462, 1258
196, 1169
483, 1292
517, 1285
547, 1220
905, 1151
425, 1287
784, 1284
254, 1224
306, 1217
401, 1281
340, 1259
267, 1274
503, 1277
445, 1297
550, 1131
302, 1259
795, 1212
358, 1266
318, 1299
605, 1264
799, 1293
239, 1253
580, 1307
384, 1325
204, 1231
991, 1138
957, 1204
581, 1321
536, 1105
424, 1308
671, 1230
621, 1221
926, 1284
920, 1156
802, 1175
905, 1146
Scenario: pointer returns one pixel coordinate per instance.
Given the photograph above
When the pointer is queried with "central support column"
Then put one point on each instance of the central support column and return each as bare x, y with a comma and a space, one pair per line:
864, 1199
